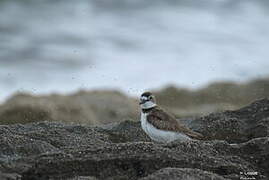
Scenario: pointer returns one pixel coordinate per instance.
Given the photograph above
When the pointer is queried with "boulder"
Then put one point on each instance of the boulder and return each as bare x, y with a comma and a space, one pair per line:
236, 126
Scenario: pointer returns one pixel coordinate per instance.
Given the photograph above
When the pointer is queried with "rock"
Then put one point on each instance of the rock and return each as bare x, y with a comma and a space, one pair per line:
50, 150
182, 173
257, 152
83, 107
9, 176
24, 114
139, 159
46, 137
236, 126
127, 131
83, 178
216, 97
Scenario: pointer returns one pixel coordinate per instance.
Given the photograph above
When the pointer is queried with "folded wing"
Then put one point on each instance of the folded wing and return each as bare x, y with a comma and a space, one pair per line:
162, 120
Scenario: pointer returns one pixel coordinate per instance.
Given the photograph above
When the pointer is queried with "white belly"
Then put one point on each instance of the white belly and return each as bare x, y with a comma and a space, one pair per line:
160, 135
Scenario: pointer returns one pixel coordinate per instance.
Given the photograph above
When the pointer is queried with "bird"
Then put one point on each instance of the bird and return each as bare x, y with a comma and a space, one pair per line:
159, 125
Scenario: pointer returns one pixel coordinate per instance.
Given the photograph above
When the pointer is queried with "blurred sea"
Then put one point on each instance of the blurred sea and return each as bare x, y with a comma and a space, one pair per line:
131, 45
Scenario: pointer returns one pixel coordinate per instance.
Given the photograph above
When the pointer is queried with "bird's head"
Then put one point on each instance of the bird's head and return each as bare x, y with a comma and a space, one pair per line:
147, 100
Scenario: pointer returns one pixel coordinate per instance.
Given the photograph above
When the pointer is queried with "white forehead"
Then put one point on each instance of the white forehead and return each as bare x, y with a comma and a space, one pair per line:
143, 98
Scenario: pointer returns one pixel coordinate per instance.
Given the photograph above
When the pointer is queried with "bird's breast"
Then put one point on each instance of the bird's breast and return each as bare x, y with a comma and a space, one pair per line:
143, 120
158, 134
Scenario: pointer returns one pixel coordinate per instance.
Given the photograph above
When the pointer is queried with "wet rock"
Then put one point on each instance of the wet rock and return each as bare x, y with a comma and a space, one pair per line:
182, 173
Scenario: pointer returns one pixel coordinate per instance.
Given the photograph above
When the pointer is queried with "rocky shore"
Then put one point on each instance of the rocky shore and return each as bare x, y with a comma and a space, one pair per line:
237, 147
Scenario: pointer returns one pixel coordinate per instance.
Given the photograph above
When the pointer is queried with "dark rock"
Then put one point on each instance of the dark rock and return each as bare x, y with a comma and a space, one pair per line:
127, 131
138, 159
9, 176
83, 178
257, 152
236, 126
182, 173
48, 150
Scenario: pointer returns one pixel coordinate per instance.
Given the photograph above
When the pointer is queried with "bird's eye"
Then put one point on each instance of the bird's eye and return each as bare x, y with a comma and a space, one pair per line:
150, 97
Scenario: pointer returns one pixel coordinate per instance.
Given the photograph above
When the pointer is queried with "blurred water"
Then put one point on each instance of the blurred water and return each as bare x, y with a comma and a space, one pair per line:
133, 45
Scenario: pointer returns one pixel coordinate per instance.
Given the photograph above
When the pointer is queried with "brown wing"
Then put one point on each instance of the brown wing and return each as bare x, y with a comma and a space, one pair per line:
162, 120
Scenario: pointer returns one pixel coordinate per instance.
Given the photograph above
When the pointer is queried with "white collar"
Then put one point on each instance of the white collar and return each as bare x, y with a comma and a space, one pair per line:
148, 105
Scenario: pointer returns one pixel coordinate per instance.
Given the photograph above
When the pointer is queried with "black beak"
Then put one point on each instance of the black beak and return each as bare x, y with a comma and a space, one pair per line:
142, 102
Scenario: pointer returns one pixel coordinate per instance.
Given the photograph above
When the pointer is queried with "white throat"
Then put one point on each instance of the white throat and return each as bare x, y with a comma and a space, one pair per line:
148, 105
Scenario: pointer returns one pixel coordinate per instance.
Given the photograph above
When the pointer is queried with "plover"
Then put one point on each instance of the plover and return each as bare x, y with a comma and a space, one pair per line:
161, 126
